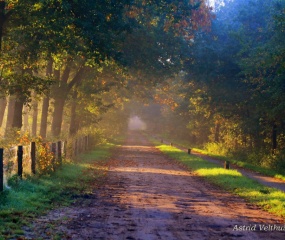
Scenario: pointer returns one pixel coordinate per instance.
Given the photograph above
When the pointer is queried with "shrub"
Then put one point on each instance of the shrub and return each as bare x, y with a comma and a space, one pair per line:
45, 158
217, 148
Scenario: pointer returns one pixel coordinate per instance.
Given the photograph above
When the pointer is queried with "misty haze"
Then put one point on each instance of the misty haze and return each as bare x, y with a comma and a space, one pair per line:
135, 123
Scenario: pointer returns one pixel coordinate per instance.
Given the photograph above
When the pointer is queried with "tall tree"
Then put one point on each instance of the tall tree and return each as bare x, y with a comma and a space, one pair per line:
3, 103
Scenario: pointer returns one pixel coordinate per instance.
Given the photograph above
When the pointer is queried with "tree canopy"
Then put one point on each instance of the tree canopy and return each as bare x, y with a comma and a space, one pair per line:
211, 76
62, 43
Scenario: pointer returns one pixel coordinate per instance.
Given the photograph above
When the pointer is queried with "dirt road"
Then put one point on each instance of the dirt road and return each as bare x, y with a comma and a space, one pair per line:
148, 196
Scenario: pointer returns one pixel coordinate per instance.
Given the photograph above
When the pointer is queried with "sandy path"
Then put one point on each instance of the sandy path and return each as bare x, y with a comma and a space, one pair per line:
147, 196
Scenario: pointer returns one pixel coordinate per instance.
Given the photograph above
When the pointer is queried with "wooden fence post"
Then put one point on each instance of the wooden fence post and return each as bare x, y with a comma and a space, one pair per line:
53, 150
59, 156
20, 161
227, 165
1, 169
33, 157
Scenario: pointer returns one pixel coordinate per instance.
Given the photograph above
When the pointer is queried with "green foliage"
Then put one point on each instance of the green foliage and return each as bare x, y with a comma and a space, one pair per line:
217, 148
11, 138
233, 84
71, 43
25, 83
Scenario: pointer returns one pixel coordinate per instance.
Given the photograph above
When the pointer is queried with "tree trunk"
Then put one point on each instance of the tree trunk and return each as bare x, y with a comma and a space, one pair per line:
217, 132
3, 104
45, 107
18, 113
10, 114
274, 138
244, 139
35, 118
26, 119
73, 128
57, 115
44, 117
256, 140
61, 94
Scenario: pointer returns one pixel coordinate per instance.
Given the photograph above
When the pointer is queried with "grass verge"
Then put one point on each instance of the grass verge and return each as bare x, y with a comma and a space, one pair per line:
262, 170
270, 199
233, 160
35, 195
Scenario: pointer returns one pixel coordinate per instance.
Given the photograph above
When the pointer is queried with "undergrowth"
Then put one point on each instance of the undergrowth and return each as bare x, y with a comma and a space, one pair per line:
35, 195
270, 199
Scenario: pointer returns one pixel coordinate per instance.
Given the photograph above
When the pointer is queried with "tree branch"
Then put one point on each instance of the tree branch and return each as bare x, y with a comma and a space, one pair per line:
77, 78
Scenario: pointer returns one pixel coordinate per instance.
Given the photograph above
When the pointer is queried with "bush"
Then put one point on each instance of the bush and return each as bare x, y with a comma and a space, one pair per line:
274, 161
217, 148
44, 157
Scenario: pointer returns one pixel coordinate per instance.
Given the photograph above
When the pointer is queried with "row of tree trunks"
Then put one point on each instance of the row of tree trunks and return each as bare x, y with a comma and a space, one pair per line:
256, 138
59, 94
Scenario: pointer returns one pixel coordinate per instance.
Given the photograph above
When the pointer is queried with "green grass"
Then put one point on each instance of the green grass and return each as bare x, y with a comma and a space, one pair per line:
262, 170
270, 199
35, 195
233, 160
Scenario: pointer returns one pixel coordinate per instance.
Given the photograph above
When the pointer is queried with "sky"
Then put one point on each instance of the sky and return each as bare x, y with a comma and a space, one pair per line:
211, 2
